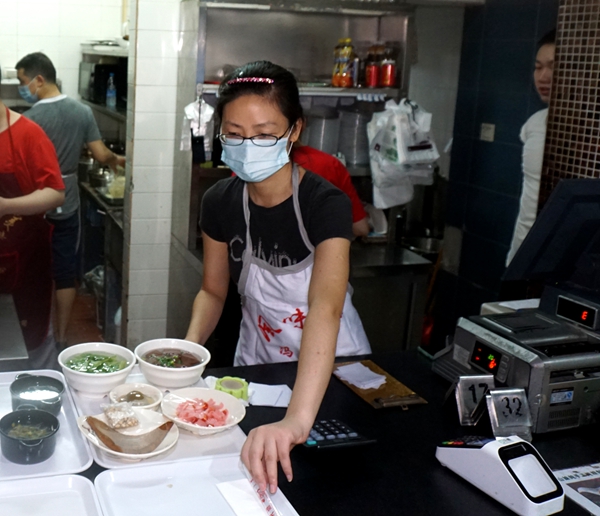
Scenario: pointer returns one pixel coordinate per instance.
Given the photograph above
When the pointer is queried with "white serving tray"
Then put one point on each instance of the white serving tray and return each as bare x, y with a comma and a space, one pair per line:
188, 447
179, 488
66, 495
72, 453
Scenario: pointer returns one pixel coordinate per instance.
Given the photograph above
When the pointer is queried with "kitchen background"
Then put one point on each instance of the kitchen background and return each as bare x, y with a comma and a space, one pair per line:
474, 65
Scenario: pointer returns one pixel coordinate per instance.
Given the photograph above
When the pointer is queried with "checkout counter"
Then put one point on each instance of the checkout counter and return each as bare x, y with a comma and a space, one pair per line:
399, 473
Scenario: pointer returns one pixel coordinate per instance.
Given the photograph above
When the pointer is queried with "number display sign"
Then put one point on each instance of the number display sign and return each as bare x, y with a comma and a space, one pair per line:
509, 413
470, 397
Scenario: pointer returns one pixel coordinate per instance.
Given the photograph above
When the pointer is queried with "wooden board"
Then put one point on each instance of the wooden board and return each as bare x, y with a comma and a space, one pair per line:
391, 394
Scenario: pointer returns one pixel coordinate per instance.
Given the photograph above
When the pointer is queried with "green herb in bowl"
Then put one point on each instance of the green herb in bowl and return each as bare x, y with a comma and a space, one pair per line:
96, 363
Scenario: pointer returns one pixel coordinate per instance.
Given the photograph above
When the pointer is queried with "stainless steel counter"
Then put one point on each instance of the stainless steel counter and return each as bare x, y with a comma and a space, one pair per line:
390, 290
374, 259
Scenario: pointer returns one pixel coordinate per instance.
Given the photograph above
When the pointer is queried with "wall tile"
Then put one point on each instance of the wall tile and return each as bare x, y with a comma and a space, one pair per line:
44, 21
150, 231
151, 205
497, 167
154, 126
153, 43
149, 257
510, 19
508, 112
460, 169
153, 179
8, 50
148, 282
155, 72
156, 99
507, 66
157, 16
141, 330
490, 215
147, 307
153, 153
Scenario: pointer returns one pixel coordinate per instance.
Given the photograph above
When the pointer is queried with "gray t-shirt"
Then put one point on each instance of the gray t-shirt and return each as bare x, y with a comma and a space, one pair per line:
69, 124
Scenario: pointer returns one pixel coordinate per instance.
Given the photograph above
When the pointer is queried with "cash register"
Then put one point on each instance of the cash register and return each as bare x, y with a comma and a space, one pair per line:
553, 352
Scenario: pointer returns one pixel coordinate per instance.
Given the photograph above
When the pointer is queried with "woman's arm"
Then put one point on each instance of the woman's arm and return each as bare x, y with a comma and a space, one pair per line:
36, 202
208, 304
269, 444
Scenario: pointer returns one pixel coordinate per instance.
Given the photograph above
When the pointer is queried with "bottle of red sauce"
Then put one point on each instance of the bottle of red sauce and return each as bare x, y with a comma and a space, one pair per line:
388, 69
373, 67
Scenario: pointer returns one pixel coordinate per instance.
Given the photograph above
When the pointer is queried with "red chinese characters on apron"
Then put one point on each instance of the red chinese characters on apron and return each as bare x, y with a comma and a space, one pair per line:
275, 304
25, 258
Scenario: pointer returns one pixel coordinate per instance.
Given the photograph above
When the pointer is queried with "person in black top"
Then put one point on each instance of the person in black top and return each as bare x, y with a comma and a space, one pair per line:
283, 235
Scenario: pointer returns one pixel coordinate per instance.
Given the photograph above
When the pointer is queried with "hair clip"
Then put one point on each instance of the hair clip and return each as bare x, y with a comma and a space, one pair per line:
238, 80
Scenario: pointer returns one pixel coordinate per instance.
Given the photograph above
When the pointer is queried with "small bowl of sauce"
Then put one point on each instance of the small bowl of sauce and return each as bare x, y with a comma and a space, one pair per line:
141, 395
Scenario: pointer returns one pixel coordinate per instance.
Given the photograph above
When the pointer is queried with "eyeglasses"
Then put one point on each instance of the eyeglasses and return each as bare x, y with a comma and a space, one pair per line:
260, 140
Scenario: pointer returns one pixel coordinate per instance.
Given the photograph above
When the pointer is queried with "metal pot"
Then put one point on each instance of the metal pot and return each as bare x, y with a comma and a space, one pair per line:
41, 392
99, 177
28, 451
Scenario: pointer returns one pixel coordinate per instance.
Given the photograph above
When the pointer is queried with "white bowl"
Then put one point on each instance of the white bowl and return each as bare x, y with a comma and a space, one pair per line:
172, 377
144, 388
101, 383
171, 400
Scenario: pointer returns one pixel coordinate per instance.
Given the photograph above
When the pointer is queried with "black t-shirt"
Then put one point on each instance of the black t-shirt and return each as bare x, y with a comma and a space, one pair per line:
326, 213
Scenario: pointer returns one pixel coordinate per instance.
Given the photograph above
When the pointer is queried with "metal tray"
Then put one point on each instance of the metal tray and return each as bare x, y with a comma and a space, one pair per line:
66, 495
176, 489
103, 193
188, 447
72, 453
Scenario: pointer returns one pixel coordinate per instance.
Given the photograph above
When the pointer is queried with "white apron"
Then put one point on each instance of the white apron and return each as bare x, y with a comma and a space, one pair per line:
275, 304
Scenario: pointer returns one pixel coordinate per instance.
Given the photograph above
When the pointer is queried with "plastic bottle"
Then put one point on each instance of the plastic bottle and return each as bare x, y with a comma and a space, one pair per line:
342, 76
111, 92
335, 77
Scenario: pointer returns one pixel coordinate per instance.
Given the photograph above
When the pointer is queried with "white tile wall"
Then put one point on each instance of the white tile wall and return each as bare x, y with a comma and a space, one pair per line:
57, 28
151, 136
434, 79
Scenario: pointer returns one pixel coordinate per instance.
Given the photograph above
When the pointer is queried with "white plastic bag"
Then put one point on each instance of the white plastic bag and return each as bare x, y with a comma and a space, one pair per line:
198, 121
401, 152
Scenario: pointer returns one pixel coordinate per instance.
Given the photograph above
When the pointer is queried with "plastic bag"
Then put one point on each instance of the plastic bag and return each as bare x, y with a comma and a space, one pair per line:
198, 122
401, 152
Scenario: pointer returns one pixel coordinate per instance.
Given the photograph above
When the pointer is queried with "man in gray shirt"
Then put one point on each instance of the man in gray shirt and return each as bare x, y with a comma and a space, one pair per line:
69, 125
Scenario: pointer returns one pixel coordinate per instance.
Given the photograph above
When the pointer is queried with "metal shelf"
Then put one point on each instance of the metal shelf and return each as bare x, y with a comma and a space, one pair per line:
327, 91
118, 115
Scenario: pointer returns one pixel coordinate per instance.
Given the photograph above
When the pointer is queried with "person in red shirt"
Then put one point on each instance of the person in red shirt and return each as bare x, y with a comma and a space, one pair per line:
30, 185
332, 169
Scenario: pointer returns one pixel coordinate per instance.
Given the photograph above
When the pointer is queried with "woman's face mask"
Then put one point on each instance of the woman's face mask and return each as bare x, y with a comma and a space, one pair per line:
253, 163
26, 94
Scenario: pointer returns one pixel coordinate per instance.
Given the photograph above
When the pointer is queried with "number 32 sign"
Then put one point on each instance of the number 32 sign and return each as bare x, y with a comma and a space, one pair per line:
509, 413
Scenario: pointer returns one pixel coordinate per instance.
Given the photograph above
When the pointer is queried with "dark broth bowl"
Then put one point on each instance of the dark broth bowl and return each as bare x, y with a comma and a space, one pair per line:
24, 387
28, 451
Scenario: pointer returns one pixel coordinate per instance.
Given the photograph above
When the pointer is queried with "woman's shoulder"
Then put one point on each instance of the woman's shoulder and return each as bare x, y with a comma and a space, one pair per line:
225, 189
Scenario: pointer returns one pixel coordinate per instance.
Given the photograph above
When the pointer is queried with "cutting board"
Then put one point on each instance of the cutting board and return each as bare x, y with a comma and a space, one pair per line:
391, 394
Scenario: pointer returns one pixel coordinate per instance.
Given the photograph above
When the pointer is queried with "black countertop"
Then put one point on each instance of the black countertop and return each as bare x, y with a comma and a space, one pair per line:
399, 474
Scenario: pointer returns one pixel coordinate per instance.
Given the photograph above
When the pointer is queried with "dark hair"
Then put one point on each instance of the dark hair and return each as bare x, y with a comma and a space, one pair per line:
280, 87
547, 39
38, 64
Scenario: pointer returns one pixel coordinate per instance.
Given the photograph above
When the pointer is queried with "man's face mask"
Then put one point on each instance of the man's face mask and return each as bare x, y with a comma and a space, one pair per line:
26, 94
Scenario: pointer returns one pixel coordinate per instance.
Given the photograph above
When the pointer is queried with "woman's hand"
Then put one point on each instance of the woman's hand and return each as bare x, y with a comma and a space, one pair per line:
269, 444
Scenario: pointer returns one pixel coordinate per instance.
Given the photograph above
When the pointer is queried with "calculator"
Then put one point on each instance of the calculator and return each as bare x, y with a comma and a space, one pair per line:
332, 433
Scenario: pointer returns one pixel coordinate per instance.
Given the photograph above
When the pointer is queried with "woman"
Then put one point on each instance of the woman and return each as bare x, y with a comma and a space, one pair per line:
283, 235
30, 184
